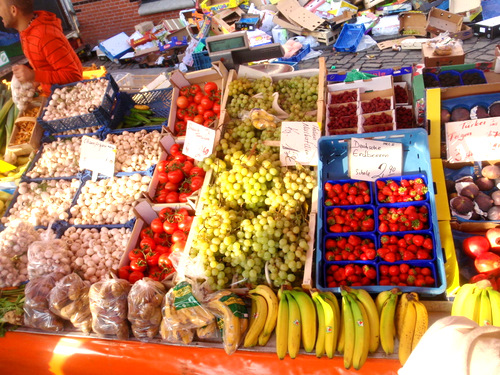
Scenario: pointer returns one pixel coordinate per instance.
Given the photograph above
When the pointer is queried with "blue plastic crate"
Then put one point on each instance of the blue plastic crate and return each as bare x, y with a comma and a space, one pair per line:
349, 37
482, 78
398, 181
100, 116
201, 60
333, 165
299, 56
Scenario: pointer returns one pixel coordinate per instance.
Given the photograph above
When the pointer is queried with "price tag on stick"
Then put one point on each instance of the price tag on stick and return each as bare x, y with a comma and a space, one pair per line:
299, 143
199, 142
369, 159
98, 157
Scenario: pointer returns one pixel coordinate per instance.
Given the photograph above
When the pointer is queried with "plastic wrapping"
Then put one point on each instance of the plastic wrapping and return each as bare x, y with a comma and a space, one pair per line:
232, 315
70, 300
22, 93
262, 119
108, 305
37, 313
144, 308
14, 243
48, 255
182, 314
443, 45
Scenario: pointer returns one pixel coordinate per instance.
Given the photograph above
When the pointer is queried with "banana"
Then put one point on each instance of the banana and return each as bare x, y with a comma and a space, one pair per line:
366, 348
231, 331
329, 325
495, 307
387, 327
349, 334
282, 329
330, 298
421, 325
471, 305
361, 333
294, 326
341, 339
409, 319
485, 309
458, 303
308, 319
272, 312
320, 339
253, 310
373, 316
380, 300
257, 322
401, 313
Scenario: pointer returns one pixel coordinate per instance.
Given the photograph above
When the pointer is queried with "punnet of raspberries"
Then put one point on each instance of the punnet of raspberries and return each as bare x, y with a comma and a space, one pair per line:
344, 97
377, 104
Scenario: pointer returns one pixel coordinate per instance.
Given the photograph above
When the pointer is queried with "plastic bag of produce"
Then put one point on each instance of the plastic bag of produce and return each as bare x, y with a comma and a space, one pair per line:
108, 305
14, 243
48, 255
70, 300
261, 119
232, 315
182, 314
144, 308
22, 93
37, 313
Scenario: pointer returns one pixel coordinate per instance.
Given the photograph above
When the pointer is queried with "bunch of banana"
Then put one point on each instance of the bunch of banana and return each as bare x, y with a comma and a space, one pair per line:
478, 302
386, 303
263, 316
328, 312
360, 326
411, 323
296, 323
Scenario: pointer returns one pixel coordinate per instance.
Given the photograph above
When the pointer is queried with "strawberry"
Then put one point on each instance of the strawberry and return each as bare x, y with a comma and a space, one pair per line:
383, 227
391, 199
380, 184
387, 191
405, 183
392, 185
402, 190
417, 225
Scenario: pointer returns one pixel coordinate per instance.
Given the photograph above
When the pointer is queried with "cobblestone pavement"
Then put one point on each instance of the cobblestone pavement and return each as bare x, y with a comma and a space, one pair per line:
477, 49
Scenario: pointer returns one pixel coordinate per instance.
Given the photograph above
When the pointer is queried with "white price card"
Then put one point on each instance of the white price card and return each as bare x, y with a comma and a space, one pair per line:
4, 59
98, 157
473, 140
369, 159
199, 142
299, 143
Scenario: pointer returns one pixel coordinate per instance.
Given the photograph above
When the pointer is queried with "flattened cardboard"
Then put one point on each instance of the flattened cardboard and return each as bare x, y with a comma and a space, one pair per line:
430, 60
439, 21
280, 20
390, 43
413, 23
292, 10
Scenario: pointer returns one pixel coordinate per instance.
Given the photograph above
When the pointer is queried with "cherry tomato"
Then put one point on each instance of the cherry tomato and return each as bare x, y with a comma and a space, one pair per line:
138, 265
182, 102
135, 276
147, 244
157, 225
178, 235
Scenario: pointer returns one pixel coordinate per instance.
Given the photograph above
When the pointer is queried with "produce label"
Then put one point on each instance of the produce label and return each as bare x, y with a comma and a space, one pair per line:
236, 305
183, 296
299, 143
199, 141
98, 157
473, 140
369, 159
4, 59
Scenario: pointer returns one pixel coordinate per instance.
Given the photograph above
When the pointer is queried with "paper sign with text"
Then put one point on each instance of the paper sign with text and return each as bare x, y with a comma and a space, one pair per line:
299, 143
199, 142
369, 159
98, 157
473, 140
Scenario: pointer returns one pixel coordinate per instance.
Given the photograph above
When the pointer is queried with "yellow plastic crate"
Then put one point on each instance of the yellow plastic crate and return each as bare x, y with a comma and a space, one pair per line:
94, 72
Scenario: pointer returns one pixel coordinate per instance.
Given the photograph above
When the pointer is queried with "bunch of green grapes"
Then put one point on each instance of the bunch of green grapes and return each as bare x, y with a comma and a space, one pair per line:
298, 95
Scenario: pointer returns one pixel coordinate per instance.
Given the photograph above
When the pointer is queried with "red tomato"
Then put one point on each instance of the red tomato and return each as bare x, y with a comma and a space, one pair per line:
161, 166
182, 102
181, 112
157, 225
198, 119
183, 197
147, 232
169, 227
216, 108
163, 177
175, 176
136, 254
124, 272
172, 197
162, 249
175, 149
197, 171
161, 197
180, 157
210, 87
184, 91
188, 118
165, 263
178, 235
196, 183
209, 115
135, 276
186, 168
200, 109
487, 262
475, 246
161, 239
170, 186
152, 258
206, 103
178, 246
192, 109
147, 244
180, 127
138, 265
194, 89
198, 97
165, 213
206, 123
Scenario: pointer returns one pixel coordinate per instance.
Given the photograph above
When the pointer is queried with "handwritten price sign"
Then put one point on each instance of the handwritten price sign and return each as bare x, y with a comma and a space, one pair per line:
98, 157
299, 143
473, 140
369, 159
199, 142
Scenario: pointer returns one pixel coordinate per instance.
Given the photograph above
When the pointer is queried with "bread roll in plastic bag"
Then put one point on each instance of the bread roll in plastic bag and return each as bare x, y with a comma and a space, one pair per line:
37, 312
144, 308
108, 305
70, 300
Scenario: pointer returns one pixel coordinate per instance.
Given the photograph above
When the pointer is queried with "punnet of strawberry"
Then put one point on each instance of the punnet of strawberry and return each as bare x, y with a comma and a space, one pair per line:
338, 193
409, 247
403, 190
351, 275
350, 248
403, 219
358, 219
406, 275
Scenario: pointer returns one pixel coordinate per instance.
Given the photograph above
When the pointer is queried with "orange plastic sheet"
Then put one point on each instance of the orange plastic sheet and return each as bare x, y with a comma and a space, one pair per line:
33, 354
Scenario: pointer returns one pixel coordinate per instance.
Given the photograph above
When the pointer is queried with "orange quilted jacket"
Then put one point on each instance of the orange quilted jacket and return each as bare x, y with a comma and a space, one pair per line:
49, 52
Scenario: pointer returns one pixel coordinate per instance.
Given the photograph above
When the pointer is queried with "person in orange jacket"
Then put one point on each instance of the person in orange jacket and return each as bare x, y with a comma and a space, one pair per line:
44, 44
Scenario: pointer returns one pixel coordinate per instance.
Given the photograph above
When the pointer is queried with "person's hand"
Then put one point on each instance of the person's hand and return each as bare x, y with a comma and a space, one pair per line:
23, 73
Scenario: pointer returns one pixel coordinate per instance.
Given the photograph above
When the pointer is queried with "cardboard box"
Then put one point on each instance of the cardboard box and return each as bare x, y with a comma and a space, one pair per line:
215, 6
144, 26
292, 10
280, 20
223, 22
116, 46
323, 35
431, 60
250, 22
439, 21
33, 143
413, 23
465, 33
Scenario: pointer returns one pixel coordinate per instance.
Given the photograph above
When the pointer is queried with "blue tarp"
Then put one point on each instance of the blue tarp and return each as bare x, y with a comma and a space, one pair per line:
6, 39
